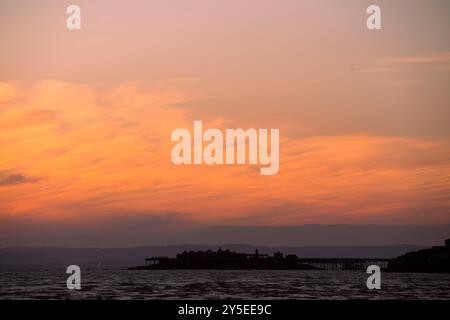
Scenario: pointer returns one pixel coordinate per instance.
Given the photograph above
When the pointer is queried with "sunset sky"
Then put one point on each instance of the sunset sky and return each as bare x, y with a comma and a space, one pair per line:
86, 116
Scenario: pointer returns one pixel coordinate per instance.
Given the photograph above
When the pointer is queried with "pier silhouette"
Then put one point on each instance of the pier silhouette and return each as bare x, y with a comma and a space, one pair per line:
228, 260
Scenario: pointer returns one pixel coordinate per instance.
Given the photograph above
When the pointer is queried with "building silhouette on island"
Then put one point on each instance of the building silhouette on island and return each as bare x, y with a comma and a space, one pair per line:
225, 259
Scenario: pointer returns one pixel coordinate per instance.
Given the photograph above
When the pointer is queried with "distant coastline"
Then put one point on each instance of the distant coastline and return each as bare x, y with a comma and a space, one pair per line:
434, 260
60, 257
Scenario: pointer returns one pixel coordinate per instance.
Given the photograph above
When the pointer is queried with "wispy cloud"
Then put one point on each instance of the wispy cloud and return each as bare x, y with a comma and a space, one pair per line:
105, 151
439, 61
420, 59
10, 179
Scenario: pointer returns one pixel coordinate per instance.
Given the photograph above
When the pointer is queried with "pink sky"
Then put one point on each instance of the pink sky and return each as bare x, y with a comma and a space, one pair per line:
86, 116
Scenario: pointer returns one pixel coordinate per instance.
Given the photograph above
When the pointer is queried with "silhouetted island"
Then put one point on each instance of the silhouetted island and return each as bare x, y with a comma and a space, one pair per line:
434, 260
225, 260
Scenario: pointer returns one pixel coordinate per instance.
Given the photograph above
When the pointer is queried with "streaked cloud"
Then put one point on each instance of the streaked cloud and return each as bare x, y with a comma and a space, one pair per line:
419, 59
10, 179
105, 151
402, 64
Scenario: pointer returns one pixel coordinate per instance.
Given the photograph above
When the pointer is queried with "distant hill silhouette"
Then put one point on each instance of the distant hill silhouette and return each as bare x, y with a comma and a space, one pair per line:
322, 235
136, 233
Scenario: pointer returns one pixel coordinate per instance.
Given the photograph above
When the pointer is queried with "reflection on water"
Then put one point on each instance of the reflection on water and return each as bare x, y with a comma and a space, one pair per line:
204, 284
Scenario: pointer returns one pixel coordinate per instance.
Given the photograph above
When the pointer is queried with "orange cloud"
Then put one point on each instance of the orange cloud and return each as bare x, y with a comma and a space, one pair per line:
105, 151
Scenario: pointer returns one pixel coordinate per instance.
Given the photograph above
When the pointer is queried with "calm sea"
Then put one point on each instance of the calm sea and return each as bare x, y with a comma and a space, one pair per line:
201, 284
